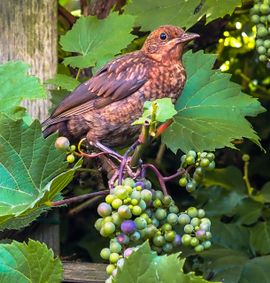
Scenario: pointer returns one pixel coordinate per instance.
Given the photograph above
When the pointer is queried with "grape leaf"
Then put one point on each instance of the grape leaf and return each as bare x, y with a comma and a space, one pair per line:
25, 263
211, 109
184, 13
260, 237
144, 265
95, 39
64, 82
16, 86
165, 110
32, 171
232, 266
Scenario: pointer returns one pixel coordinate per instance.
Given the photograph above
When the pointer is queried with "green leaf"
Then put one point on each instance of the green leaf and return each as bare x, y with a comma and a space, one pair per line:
247, 211
263, 195
94, 39
260, 237
232, 236
144, 265
28, 263
183, 13
32, 171
165, 111
16, 86
211, 109
231, 266
64, 82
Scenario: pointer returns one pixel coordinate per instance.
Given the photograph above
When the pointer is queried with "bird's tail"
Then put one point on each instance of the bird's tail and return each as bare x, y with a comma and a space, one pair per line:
52, 125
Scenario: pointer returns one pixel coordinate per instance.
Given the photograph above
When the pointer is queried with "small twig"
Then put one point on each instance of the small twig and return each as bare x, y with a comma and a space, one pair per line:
180, 172
246, 178
79, 198
78, 74
84, 205
106, 149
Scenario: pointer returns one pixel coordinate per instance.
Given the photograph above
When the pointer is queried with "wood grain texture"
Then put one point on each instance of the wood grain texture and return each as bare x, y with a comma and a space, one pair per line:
82, 272
29, 33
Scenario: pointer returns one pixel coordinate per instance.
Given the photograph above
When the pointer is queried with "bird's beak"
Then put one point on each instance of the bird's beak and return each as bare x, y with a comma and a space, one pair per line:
186, 37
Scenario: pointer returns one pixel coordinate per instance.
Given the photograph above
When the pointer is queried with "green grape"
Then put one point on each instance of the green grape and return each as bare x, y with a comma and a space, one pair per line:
160, 214
136, 210
192, 212
105, 253
146, 195
108, 228
204, 162
142, 204
262, 58
104, 209
173, 209
116, 219
114, 257
206, 244
159, 241
70, 158
191, 186
116, 203
259, 42
167, 248
167, 200
98, 223
192, 153
261, 50
183, 219
157, 249
135, 237
201, 213
188, 229
208, 235
62, 143
124, 212
140, 223
115, 247
121, 192
194, 242
183, 181
159, 195
155, 222
199, 248
107, 219
109, 198
262, 31
166, 227
172, 218
186, 239
190, 160
136, 195
255, 19
195, 221
134, 201
212, 165
264, 8
110, 268
169, 236
157, 203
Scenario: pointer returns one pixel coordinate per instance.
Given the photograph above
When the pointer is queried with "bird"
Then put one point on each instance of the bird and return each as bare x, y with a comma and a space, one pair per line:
103, 108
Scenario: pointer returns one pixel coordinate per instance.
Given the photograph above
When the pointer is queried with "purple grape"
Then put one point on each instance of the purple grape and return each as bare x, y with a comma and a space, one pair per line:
128, 226
122, 239
177, 240
128, 252
200, 234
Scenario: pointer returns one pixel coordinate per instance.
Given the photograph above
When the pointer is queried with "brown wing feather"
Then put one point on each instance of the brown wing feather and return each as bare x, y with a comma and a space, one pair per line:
115, 81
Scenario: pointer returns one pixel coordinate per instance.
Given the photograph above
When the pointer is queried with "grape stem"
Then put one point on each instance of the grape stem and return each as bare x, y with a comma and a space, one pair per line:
162, 180
246, 178
79, 198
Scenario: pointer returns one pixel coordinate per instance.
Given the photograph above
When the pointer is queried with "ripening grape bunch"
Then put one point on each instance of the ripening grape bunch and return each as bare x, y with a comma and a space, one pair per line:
134, 212
260, 15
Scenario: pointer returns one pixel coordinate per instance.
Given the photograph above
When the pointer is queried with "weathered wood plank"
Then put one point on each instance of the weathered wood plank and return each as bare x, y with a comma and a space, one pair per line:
83, 272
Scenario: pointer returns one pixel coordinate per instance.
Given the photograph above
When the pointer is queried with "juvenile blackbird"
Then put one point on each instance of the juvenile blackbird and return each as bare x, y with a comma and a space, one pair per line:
104, 107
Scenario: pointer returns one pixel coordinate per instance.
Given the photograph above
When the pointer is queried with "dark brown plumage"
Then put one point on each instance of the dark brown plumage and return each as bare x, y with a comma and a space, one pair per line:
104, 107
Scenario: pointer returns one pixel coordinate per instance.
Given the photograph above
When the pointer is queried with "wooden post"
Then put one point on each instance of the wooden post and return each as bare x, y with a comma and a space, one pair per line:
28, 32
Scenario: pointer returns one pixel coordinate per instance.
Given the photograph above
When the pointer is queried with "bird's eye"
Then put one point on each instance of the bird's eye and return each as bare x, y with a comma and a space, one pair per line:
163, 36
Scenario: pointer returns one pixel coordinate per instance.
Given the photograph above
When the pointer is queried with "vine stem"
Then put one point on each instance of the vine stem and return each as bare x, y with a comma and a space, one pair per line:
124, 161
78, 198
78, 74
246, 178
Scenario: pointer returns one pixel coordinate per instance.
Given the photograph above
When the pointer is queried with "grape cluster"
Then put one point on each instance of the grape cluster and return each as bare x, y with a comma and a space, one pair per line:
202, 161
133, 213
260, 15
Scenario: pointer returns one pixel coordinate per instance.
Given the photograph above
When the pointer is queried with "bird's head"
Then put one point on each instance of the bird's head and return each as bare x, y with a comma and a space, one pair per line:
166, 43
